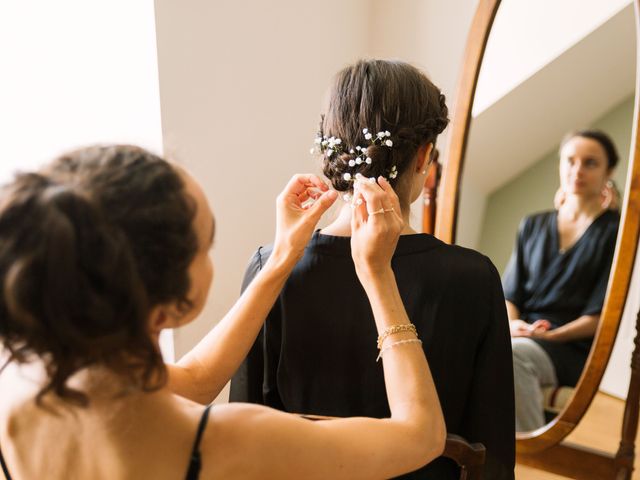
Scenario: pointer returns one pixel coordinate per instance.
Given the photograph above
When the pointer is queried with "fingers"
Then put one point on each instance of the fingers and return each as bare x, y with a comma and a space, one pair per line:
540, 325
321, 205
391, 195
302, 182
374, 197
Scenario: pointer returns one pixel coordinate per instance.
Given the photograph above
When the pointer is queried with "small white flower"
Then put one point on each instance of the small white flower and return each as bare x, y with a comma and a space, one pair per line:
368, 136
386, 133
347, 176
365, 130
352, 163
368, 160
324, 143
338, 141
372, 180
359, 161
318, 140
358, 148
388, 143
352, 151
380, 134
329, 152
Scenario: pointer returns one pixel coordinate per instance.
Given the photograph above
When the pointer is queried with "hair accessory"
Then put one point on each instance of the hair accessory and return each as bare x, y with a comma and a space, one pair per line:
331, 146
396, 344
393, 329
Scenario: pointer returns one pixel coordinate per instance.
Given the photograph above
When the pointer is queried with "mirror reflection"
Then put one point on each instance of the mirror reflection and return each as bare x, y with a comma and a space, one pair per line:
544, 171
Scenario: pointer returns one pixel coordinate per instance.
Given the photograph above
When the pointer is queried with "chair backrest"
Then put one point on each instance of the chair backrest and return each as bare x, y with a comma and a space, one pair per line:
469, 456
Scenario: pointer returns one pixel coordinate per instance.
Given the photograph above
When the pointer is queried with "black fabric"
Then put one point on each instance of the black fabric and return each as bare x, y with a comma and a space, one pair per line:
195, 464
5, 470
561, 286
316, 352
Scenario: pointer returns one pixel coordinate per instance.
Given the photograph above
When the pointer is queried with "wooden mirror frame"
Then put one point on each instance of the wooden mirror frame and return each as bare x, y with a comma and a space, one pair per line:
542, 448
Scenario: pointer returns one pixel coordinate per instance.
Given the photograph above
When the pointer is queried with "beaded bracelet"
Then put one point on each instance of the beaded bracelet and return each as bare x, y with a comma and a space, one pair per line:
407, 327
395, 344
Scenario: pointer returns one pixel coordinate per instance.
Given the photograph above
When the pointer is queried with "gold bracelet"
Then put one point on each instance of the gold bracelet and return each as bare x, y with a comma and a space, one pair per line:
407, 327
395, 344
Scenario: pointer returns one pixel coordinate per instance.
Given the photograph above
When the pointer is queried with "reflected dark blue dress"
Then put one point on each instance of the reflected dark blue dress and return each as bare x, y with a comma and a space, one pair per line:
561, 286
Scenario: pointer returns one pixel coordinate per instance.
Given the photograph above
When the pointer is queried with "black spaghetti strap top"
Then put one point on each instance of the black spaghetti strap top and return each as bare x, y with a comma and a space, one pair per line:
195, 463
5, 470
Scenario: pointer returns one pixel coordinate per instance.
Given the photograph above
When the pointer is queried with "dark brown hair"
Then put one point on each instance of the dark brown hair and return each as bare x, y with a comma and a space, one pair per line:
599, 136
381, 95
88, 245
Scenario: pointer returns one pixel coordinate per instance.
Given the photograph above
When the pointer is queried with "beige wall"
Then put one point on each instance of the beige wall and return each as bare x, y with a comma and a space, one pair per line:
241, 84
240, 87
215, 78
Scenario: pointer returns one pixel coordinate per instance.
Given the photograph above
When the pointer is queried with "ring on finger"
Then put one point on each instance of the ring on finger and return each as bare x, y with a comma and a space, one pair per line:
389, 209
377, 212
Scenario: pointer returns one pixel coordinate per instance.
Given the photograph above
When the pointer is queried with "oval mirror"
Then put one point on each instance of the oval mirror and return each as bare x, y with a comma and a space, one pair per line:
533, 72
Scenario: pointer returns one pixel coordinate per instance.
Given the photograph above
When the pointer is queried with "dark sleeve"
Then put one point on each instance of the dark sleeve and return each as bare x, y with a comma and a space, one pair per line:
514, 275
596, 299
491, 404
246, 384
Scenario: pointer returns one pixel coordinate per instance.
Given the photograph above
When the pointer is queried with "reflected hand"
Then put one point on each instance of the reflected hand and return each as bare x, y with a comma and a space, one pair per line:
519, 328
537, 329
376, 224
298, 210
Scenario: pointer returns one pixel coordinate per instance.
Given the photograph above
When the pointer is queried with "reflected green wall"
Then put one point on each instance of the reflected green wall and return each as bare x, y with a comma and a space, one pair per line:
533, 190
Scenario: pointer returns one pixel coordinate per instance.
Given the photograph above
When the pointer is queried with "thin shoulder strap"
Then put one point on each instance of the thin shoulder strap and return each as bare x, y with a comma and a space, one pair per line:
5, 470
195, 464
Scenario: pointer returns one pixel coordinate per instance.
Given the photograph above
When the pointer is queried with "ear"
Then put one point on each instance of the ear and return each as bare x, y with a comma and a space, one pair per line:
424, 154
161, 317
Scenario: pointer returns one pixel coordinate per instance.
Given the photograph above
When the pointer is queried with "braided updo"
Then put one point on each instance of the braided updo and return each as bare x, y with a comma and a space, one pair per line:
381, 95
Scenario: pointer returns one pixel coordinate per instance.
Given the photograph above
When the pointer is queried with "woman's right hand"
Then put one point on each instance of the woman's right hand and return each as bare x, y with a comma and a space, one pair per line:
297, 217
376, 224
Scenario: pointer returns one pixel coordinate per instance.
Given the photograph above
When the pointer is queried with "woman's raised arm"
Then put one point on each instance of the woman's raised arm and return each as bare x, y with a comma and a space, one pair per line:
202, 373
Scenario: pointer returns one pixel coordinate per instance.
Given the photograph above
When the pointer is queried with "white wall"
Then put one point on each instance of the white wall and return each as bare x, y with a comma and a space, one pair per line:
527, 35
76, 72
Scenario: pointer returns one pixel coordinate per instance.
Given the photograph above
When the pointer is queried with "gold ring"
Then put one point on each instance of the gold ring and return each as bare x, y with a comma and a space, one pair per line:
389, 209
377, 212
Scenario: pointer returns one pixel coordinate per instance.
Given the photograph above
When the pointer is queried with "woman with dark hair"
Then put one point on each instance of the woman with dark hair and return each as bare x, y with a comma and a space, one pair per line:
107, 246
556, 279
313, 355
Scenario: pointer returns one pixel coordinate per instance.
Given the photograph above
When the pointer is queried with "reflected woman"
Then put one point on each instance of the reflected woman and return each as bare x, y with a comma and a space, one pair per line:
556, 279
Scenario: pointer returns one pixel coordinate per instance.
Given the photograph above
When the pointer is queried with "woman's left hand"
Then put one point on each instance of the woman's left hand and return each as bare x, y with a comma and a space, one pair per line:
541, 329
298, 210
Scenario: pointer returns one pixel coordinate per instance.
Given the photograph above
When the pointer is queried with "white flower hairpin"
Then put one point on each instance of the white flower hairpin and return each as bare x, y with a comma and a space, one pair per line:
331, 146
